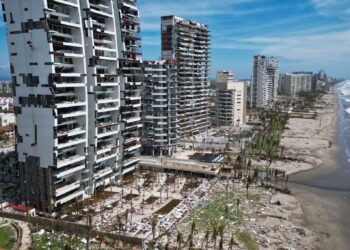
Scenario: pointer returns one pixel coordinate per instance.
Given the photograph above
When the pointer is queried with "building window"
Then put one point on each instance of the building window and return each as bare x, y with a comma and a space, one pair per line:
11, 18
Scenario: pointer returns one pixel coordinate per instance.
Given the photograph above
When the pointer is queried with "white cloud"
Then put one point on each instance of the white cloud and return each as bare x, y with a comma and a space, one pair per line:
151, 11
4, 66
332, 7
181, 7
330, 50
151, 40
150, 26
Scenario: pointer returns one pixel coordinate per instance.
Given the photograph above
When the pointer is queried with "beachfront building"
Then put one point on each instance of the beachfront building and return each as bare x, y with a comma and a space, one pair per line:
103, 85
231, 99
188, 43
159, 108
69, 90
264, 83
6, 88
131, 69
292, 84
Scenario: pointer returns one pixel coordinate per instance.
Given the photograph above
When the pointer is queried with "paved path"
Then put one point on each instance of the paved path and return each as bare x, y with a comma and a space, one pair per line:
26, 240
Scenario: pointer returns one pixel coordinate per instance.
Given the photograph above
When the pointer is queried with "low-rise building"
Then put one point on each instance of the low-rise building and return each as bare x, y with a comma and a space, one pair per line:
6, 88
6, 103
7, 131
7, 119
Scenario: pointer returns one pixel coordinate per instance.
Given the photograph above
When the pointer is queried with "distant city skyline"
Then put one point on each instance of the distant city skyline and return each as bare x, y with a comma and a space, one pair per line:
304, 35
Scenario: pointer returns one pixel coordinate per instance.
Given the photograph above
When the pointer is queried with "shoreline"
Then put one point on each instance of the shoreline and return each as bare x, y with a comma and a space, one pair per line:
322, 211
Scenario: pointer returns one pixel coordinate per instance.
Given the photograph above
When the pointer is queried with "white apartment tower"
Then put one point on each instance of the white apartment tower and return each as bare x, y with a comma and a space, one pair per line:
188, 43
264, 83
231, 99
292, 84
65, 64
130, 64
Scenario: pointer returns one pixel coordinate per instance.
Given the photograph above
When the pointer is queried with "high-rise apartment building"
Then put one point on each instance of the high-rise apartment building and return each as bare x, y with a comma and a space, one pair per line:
292, 84
160, 108
188, 43
264, 83
231, 99
69, 88
130, 64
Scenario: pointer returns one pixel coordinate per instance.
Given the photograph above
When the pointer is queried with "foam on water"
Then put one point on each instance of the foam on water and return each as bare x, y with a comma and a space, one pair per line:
345, 87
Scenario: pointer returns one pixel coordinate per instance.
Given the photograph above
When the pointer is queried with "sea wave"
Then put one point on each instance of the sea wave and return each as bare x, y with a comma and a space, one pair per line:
345, 87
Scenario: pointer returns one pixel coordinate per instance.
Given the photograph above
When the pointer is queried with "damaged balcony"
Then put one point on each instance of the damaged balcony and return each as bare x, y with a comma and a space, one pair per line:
70, 3
108, 81
107, 131
69, 197
66, 188
65, 161
67, 100
71, 170
112, 154
107, 107
66, 142
105, 54
71, 112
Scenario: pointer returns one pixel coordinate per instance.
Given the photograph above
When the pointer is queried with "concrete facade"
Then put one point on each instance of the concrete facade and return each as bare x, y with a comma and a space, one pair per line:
292, 84
264, 83
131, 67
188, 43
160, 108
231, 99
66, 67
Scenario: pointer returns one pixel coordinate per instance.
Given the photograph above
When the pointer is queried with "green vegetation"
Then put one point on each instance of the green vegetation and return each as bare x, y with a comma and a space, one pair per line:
55, 242
254, 197
7, 237
266, 142
265, 145
221, 209
245, 238
307, 100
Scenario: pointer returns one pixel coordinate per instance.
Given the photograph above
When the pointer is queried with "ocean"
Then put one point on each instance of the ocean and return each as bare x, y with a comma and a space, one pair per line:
324, 193
336, 181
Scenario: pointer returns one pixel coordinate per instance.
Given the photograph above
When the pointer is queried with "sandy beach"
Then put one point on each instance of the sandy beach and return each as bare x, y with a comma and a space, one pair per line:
311, 144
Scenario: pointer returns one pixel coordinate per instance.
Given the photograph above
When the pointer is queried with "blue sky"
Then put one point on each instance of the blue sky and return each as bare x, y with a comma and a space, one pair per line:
303, 34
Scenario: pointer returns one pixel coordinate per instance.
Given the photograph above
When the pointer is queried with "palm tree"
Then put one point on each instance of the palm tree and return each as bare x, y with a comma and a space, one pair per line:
179, 240
160, 195
132, 210
191, 235
220, 229
232, 242
247, 188
126, 216
167, 192
1, 201
89, 220
154, 223
214, 235
101, 238
286, 186
237, 206
152, 200
206, 239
